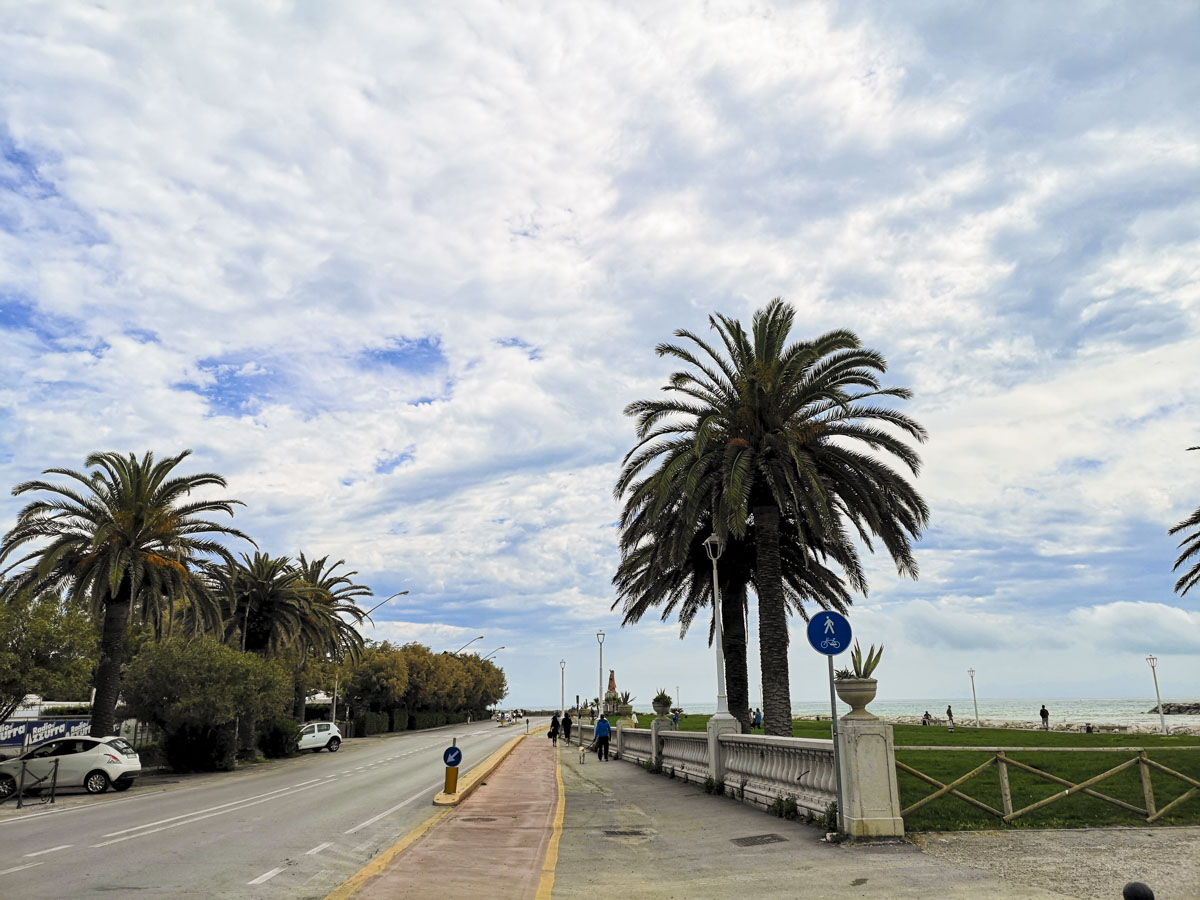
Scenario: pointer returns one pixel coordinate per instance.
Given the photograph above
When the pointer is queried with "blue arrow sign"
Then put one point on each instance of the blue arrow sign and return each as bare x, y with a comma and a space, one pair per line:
452, 756
829, 633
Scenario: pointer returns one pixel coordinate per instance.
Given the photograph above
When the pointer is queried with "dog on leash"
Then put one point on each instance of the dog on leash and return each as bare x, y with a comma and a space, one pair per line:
582, 754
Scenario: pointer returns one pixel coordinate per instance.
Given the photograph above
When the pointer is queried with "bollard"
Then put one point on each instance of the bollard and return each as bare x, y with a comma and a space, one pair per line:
451, 753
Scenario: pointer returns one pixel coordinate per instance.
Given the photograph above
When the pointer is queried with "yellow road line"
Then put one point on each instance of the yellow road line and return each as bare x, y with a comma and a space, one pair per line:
377, 865
546, 883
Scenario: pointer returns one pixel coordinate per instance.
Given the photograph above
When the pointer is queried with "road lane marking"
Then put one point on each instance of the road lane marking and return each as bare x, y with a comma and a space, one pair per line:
266, 876
318, 848
98, 804
210, 809
192, 820
51, 850
19, 868
386, 812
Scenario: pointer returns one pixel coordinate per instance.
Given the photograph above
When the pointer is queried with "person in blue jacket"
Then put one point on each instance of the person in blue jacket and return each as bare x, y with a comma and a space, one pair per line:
603, 730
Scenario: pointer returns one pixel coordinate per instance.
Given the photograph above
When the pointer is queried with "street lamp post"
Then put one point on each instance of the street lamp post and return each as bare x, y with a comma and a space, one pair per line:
1162, 720
715, 546
971, 672
466, 645
562, 686
336, 678
494, 652
600, 695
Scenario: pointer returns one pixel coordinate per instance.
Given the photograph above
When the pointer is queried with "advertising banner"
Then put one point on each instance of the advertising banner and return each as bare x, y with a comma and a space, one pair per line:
26, 732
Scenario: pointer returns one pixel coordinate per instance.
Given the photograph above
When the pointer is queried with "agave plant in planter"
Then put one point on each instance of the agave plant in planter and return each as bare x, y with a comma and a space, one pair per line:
855, 686
661, 703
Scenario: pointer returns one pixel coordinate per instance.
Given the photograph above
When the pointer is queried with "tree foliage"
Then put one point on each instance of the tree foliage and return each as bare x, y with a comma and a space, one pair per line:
47, 647
1189, 547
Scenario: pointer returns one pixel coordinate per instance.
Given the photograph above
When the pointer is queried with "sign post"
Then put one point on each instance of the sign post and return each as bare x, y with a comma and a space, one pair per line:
452, 757
829, 634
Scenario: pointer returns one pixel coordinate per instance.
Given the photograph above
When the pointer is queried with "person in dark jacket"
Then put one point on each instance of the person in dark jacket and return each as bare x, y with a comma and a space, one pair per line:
603, 730
554, 729
566, 728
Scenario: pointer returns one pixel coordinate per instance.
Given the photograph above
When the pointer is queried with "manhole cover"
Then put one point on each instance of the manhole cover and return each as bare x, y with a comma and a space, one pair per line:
477, 819
625, 832
755, 839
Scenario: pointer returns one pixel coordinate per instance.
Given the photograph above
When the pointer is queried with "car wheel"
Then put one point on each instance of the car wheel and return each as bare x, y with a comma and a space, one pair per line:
333, 745
122, 785
96, 782
8, 786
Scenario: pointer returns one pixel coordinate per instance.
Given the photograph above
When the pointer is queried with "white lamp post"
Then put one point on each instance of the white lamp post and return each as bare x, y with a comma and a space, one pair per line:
494, 652
600, 695
466, 645
971, 672
1162, 720
366, 615
715, 546
562, 686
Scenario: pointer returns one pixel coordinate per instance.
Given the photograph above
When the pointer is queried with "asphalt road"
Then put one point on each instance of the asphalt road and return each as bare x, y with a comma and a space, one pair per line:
294, 828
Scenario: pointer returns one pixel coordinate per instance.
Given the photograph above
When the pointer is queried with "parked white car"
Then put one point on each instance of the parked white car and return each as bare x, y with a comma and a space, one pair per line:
318, 736
95, 764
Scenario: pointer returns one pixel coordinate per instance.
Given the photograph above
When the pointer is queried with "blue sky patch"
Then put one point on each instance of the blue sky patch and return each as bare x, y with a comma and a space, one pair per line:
419, 357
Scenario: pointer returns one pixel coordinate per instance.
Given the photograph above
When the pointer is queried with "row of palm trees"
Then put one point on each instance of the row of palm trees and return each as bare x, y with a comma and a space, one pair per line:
787, 450
128, 540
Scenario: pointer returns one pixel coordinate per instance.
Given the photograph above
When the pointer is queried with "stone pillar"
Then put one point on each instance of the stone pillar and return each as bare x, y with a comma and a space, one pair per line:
717, 726
620, 740
659, 725
868, 763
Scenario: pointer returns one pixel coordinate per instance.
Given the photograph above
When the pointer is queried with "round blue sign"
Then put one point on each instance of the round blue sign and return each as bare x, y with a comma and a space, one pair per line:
829, 633
452, 756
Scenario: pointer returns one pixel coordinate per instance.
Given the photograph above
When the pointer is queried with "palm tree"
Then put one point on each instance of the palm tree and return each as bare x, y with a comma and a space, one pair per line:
1190, 544
125, 540
775, 431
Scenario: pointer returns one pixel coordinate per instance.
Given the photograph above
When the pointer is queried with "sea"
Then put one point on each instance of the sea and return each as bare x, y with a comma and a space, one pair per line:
1080, 711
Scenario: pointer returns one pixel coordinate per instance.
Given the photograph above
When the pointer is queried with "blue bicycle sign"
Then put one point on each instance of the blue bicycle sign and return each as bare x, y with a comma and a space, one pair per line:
829, 633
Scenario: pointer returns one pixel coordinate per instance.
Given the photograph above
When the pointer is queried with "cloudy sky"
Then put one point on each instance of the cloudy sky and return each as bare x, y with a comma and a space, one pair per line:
396, 269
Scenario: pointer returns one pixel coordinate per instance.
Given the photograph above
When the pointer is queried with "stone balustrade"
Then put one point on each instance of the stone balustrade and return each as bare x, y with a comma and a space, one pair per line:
759, 768
686, 752
634, 744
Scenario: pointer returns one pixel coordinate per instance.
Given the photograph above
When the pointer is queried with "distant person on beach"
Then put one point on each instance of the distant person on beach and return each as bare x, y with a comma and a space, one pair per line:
949, 717
1045, 714
566, 726
927, 718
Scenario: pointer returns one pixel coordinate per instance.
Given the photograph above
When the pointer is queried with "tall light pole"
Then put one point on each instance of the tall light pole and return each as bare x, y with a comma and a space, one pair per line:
600, 695
715, 546
366, 615
1162, 720
494, 652
971, 672
466, 645
562, 686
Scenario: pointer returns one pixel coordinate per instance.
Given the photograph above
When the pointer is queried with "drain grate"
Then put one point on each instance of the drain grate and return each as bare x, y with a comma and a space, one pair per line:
756, 839
625, 832
477, 819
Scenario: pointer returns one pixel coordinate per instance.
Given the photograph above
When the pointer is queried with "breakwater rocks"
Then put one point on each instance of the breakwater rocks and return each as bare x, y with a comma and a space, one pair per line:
1179, 709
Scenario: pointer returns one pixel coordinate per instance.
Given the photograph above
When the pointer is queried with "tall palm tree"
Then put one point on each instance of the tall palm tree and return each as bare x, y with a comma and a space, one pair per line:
126, 540
336, 590
1190, 545
777, 430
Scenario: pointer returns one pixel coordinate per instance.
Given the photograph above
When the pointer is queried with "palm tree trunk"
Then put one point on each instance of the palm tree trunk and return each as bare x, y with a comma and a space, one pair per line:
112, 657
772, 624
299, 698
733, 634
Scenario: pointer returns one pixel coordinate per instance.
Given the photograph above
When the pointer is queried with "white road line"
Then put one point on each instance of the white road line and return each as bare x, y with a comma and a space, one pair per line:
318, 848
99, 804
374, 819
210, 809
51, 850
266, 876
19, 868
191, 820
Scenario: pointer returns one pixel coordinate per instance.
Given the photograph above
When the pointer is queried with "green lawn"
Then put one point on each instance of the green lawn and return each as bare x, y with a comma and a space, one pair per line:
951, 813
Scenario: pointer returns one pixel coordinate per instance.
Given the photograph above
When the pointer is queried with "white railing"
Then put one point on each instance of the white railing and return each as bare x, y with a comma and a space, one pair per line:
759, 769
686, 752
635, 744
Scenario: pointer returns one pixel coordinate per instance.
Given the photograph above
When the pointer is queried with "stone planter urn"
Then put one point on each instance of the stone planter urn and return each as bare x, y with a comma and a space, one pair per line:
661, 709
856, 693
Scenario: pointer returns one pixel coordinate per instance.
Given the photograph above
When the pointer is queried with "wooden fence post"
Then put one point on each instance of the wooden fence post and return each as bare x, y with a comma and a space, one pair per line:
1147, 785
1005, 791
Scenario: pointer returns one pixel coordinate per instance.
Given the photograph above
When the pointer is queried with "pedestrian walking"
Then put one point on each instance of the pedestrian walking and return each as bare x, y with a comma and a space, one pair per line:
757, 717
927, 718
603, 730
950, 717
566, 726
1045, 714
554, 729
675, 718
633, 718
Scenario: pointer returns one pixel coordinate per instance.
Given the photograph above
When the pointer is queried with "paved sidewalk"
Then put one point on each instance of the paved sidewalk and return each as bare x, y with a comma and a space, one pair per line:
491, 845
632, 834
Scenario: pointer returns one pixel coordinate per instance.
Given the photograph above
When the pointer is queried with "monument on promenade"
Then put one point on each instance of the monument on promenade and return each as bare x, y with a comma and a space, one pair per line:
612, 700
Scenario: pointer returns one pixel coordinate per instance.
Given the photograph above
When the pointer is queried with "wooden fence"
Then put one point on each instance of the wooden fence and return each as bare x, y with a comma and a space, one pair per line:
1002, 761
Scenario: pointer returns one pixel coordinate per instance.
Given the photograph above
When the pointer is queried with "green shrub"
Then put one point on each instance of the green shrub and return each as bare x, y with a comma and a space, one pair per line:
399, 719
151, 756
82, 709
191, 748
278, 736
829, 822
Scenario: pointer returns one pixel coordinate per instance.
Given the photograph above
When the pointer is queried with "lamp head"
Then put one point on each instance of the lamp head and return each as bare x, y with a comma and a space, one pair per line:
971, 672
562, 664
1153, 660
714, 546
600, 636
